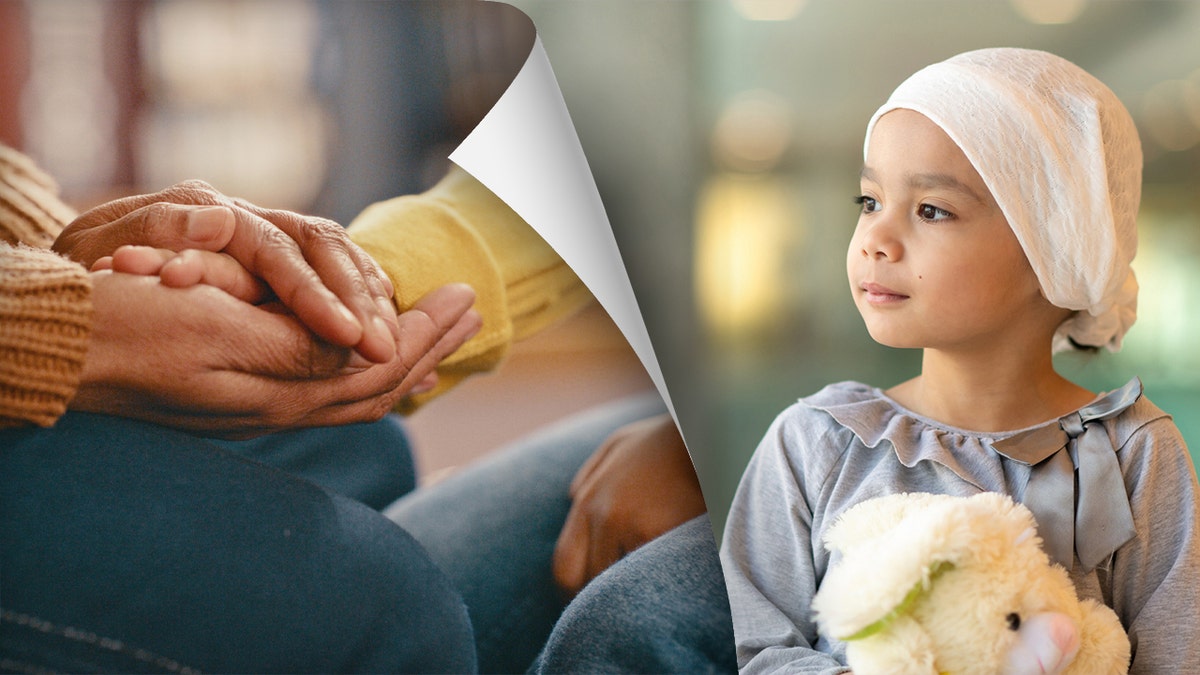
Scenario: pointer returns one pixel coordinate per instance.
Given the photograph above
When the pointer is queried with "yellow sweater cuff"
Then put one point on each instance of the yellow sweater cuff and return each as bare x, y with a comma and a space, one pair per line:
460, 232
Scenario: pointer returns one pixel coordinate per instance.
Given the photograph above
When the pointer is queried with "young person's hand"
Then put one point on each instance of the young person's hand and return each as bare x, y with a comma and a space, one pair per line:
186, 268
199, 359
638, 485
328, 282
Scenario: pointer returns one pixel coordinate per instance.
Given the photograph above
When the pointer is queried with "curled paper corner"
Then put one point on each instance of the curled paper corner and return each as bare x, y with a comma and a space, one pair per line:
526, 151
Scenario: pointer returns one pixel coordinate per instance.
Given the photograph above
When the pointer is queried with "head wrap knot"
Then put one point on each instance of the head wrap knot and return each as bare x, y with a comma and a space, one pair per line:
1061, 156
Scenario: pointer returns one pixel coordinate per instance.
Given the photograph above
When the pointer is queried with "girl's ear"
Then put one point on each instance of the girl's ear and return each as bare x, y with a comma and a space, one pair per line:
892, 550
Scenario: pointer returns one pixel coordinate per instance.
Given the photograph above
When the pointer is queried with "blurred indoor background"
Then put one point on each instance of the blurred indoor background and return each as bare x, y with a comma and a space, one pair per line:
725, 137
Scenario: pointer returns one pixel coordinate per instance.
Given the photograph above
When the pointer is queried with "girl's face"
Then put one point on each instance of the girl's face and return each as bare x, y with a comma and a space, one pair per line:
933, 263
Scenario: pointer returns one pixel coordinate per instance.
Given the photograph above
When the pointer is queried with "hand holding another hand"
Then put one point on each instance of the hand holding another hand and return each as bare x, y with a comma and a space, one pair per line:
309, 263
200, 359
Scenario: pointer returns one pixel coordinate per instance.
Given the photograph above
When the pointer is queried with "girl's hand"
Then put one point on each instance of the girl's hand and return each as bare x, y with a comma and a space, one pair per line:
188, 268
639, 484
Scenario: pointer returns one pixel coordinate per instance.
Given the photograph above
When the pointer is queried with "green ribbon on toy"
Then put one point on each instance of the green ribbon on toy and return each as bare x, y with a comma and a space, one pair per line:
909, 598
1077, 457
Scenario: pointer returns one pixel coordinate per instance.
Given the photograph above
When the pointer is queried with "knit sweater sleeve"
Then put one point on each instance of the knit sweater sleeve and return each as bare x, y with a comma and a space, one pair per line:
45, 299
45, 321
459, 231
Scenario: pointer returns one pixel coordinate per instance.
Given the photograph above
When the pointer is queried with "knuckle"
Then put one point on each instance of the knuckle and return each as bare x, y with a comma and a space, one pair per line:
321, 232
275, 237
193, 185
601, 511
271, 243
157, 211
153, 217
192, 191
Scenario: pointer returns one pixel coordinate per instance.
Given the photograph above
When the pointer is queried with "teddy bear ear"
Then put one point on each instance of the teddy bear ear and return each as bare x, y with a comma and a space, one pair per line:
892, 549
872, 518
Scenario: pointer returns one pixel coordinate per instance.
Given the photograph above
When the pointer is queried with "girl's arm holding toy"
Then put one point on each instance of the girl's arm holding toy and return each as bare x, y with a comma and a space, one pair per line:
771, 558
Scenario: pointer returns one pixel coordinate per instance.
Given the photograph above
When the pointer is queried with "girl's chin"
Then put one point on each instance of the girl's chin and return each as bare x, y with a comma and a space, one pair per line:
894, 339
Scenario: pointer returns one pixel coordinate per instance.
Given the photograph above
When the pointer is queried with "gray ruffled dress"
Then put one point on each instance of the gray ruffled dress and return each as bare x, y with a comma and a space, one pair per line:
1111, 485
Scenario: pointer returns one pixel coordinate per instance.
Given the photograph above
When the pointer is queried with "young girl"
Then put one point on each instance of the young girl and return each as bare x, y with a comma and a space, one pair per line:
999, 194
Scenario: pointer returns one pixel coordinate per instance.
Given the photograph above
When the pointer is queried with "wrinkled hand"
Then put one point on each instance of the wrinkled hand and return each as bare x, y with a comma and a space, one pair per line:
199, 359
639, 484
309, 263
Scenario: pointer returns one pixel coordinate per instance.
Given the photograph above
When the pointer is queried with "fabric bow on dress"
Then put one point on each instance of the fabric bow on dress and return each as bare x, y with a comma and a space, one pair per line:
1076, 490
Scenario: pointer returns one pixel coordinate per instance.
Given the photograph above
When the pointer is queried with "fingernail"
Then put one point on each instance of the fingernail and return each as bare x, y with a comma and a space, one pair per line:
348, 316
474, 316
387, 311
383, 331
205, 223
422, 388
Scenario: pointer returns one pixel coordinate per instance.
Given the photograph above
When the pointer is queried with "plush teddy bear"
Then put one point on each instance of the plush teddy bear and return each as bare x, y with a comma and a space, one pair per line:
932, 584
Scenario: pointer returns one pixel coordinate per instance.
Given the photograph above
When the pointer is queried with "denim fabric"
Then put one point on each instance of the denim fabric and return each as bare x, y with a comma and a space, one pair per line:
370, 462
129, 547
493, 526
661, 609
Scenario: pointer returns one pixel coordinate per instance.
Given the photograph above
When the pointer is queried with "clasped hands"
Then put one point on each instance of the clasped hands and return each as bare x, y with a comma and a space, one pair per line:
301, 330
219, 316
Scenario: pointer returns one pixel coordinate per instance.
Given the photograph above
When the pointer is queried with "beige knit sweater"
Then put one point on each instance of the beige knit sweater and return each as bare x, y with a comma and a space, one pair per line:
457, 231
45, 299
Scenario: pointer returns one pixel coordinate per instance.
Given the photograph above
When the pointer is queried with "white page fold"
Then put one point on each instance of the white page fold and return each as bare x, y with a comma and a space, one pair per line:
526, 151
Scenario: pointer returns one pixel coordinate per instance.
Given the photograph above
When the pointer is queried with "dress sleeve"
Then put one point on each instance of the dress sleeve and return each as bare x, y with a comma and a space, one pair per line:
459, 231
45, 322
1153, 579
768, 559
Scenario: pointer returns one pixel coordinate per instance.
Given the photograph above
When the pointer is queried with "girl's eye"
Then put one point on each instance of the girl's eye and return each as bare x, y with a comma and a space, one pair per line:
930, 212
868, 204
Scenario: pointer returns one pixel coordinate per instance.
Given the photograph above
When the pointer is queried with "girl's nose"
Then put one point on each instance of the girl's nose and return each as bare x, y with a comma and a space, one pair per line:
878, 240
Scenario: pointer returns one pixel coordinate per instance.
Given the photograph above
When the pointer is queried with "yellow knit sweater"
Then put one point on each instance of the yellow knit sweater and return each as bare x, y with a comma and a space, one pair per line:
457, 232
460, 232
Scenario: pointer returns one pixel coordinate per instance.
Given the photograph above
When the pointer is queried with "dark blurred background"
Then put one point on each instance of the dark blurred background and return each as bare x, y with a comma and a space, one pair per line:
725, 137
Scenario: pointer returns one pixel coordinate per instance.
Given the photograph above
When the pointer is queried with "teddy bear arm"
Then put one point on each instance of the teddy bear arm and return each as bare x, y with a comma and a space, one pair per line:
1104, 648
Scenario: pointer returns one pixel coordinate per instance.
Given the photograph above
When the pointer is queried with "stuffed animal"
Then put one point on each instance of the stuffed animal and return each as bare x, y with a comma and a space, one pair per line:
933, 584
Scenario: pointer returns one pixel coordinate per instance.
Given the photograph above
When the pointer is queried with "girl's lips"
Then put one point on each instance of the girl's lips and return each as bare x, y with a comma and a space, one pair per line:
878, 294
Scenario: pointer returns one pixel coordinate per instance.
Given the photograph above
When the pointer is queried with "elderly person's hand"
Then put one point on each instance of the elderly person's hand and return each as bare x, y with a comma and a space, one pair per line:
309, 263
199, 359
638, 485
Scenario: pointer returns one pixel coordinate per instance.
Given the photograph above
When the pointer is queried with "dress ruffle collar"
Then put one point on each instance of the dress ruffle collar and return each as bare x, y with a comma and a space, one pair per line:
1050, 448
874, 417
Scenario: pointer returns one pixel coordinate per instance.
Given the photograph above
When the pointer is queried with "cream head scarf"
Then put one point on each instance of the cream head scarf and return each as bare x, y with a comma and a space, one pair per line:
1061, 156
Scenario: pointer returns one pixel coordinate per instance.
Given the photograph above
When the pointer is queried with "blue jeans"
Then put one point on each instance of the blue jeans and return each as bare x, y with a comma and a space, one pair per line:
493, 526
662, 609
371, 463
128, 547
